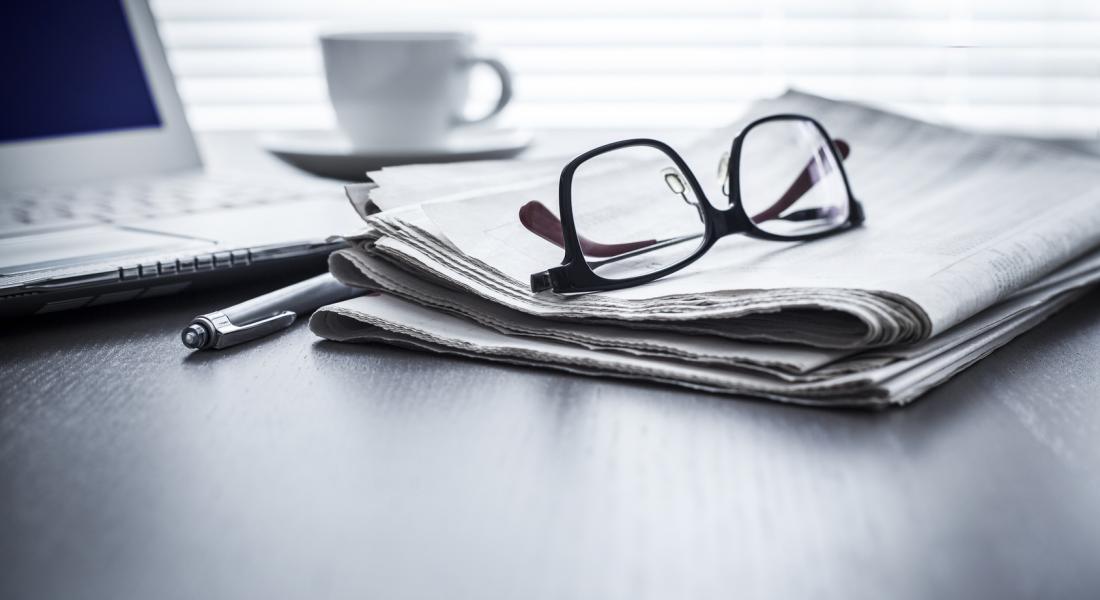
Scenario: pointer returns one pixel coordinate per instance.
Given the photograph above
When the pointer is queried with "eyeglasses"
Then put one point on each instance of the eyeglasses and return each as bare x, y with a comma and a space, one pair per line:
783, 179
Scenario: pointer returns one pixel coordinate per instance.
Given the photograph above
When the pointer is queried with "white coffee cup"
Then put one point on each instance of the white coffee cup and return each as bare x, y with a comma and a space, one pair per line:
404, 90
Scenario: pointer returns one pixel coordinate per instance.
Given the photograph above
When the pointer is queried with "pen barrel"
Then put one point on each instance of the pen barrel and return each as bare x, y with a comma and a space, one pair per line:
302, 297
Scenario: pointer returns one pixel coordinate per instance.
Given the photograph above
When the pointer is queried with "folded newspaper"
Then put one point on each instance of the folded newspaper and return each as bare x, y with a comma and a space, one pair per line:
969, 241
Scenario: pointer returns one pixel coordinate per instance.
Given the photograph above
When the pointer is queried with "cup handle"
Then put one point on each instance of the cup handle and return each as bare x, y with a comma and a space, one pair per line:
505, 88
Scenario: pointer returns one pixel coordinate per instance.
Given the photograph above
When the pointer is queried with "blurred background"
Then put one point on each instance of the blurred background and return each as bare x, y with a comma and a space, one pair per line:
1019, 66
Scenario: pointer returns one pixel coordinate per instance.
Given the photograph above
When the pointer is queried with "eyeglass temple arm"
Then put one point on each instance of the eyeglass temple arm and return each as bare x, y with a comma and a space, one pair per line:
540, 221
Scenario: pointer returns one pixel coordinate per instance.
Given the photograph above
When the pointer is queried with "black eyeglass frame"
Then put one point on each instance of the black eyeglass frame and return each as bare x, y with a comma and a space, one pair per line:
575, 276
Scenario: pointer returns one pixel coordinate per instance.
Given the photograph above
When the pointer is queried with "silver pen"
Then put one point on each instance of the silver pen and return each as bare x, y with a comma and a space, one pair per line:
265, 314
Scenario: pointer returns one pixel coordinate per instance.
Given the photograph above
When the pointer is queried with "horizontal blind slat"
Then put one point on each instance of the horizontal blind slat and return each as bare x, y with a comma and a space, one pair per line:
636, 88
1028, 119
849, 9
983, 61
723, 32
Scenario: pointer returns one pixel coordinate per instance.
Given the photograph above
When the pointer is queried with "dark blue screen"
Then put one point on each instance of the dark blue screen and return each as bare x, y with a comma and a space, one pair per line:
68, 67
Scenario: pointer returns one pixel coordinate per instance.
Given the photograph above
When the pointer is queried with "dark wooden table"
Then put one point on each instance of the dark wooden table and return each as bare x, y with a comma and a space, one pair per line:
298, 468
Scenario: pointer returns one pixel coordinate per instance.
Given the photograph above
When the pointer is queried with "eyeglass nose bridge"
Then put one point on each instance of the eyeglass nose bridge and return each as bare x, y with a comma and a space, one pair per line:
731, 220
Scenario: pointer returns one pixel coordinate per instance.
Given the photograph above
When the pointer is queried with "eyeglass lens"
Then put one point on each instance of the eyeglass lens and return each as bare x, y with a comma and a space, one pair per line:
791, 184
630, 226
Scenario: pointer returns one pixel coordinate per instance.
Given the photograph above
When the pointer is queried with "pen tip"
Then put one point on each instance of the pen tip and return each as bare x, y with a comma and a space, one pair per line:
194, 336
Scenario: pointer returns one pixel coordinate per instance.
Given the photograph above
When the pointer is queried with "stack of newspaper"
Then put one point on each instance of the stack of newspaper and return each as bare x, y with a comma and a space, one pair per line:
970, 240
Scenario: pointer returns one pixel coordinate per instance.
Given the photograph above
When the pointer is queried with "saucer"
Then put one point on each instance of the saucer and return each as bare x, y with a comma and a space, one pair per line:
330, 154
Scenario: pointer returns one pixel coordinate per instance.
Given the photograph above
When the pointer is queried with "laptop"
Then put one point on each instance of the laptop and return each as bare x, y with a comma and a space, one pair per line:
102, 194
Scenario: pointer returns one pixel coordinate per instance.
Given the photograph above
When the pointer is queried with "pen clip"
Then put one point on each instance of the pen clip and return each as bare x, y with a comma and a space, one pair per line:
226, 333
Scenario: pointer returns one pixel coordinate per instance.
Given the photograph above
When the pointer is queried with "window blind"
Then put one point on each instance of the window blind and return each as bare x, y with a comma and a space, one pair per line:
1031, 67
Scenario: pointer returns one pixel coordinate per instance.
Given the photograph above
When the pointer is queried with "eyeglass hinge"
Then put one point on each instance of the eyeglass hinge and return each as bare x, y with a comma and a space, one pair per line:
857, 212
540, 282
547, 280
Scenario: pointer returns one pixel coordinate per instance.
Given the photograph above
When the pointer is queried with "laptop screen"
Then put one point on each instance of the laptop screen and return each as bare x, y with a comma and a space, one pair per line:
70, 68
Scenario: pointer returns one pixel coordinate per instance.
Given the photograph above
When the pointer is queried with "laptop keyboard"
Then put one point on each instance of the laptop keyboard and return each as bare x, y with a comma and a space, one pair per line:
141, 199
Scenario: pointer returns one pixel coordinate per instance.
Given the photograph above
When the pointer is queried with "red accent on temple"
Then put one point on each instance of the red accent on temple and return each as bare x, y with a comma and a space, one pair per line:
540, 221
802, 184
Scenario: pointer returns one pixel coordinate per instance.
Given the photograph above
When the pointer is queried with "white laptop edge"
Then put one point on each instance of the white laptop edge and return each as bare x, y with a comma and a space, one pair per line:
126, 153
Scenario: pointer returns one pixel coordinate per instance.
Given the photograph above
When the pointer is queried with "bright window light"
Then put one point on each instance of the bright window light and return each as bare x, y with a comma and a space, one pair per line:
1030, 67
